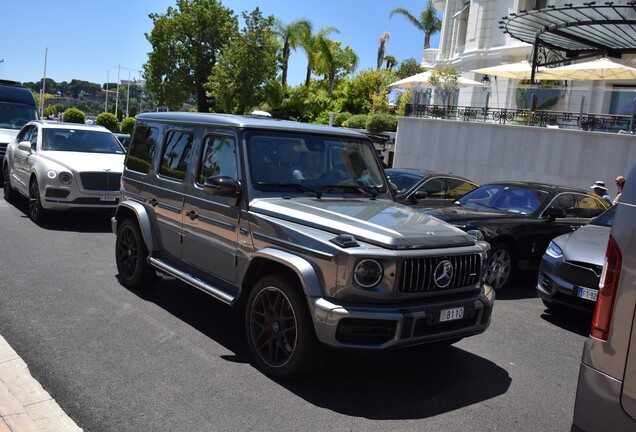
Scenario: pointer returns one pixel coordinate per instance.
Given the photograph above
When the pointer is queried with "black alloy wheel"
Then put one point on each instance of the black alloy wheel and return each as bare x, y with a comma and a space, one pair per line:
500, 266
279, 330
131, 256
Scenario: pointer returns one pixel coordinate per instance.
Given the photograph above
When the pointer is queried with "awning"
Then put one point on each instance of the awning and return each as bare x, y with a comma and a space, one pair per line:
575, 31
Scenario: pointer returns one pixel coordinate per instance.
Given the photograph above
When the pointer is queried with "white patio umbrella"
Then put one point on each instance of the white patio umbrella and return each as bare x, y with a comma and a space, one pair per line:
423, 80
600, 69
519, 70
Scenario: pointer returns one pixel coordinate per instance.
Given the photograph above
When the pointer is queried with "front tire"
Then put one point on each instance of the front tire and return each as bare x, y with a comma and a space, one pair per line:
131, 256
279, 329
37, 213
500, 266
9, 194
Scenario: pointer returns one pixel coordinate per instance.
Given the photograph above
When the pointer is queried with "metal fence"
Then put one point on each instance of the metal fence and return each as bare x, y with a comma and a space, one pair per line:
561, 119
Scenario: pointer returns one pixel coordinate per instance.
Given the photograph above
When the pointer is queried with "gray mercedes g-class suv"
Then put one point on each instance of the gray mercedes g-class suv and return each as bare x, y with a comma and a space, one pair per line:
296, 225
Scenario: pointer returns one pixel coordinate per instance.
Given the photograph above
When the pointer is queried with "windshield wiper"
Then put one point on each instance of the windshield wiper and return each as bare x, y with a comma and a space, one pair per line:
371, 191
296, 186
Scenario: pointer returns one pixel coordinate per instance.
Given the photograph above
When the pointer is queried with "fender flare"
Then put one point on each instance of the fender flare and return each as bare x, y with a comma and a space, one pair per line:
143, 219
300, 266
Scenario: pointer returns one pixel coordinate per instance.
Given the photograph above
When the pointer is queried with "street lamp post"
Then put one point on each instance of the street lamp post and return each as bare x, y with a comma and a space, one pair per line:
485, 86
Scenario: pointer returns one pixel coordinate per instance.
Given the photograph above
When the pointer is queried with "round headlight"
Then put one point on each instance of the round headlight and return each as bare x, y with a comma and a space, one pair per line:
368, 273
65, 178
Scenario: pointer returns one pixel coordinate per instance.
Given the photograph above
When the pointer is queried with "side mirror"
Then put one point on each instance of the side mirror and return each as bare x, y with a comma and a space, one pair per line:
555, 212
418, 195
221, 185
24, 146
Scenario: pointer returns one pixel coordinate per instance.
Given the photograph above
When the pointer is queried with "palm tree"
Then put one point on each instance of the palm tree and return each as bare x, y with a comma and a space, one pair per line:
382, 47
333, 58
311, 43
390, 62
427, 22
291, 36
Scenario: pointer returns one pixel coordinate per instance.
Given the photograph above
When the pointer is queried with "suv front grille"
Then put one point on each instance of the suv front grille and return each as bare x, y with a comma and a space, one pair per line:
100, 181
417, 275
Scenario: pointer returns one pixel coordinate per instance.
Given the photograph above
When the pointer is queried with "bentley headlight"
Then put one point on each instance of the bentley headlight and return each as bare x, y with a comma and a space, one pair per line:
554, 251
66, 178
368, 273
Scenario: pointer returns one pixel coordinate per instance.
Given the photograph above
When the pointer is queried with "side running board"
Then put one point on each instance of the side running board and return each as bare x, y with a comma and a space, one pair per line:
195, 282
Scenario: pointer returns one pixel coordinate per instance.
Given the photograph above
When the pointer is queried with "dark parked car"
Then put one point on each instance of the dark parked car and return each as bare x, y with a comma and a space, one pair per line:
519, 219
571, 267
123, 138
606, 390
426, 189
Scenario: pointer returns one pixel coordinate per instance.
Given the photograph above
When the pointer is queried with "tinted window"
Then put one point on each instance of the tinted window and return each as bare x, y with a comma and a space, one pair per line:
218, 158
457, 188
589, 206
606, 219
434, 188
403, 181
142, 149
176, 152
566, 202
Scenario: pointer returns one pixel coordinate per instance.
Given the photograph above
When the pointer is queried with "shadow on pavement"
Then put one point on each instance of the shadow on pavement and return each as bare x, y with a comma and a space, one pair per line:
90, 221
521, 287
409, 383
569, 319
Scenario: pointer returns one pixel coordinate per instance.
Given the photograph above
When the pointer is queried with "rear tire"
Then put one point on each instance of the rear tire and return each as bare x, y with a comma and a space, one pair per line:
131, 256
280, 332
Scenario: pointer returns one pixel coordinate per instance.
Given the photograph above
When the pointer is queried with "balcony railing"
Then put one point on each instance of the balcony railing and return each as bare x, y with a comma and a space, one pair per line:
561, 119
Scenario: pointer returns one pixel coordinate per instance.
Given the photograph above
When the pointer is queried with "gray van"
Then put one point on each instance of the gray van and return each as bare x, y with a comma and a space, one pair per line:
17, 108
606, 393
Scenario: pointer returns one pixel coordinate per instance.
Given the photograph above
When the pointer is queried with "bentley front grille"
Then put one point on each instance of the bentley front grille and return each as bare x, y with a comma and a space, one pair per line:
434, 274
100, 181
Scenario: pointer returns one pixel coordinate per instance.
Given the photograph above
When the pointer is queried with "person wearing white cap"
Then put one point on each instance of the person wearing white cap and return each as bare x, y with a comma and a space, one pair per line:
601, 190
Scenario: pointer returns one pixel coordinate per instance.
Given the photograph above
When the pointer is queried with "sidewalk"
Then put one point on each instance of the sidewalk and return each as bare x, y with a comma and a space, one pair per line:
24, 405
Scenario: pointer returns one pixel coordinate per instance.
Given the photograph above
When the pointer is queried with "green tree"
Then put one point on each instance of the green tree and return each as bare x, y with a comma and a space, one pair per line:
291, 36
334, 59
311, 44
246, 65
407, 68
73, 115
445, 82
108, 120
390, 62
186, 42
358, 97
428, 22
127, 125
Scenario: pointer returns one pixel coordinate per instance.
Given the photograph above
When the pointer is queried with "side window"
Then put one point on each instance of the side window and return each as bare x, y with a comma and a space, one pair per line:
567, 203
176, 152
218, 158
457, 188
33, 139
142, 149
434, 188
588, 206
24, 133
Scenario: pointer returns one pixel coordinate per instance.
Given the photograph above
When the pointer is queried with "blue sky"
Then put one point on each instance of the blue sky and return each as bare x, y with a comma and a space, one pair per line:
87, 40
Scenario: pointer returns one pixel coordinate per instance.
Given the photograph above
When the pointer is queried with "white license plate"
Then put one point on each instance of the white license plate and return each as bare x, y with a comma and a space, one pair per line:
108, 198
587, 294
451, 314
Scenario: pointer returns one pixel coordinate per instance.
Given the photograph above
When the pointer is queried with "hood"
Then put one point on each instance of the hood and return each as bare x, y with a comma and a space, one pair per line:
382, 223
86, 161
462, 214
8, 135
587, 244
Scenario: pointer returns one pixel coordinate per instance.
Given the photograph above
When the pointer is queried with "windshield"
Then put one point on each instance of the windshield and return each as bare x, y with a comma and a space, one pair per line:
606, 218
403, 180
512, 199
80, 140
14, 116
280, 162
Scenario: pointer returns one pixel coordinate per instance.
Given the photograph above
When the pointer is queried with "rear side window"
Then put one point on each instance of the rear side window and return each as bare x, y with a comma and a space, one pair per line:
142, 149
176, 153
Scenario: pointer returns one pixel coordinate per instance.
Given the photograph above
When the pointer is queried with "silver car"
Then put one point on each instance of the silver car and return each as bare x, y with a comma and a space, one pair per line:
61, 166
606, 393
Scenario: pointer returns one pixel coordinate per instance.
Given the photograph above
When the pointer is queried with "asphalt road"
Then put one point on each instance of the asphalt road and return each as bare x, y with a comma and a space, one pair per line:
172, 359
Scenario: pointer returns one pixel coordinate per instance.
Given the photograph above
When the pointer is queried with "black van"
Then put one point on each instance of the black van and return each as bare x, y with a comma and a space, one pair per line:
17, 108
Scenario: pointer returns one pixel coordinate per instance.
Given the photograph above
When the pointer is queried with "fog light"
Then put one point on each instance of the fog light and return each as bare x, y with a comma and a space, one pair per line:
368, 273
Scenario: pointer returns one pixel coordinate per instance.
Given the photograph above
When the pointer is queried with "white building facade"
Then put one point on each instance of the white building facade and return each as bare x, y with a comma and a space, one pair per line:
471, 37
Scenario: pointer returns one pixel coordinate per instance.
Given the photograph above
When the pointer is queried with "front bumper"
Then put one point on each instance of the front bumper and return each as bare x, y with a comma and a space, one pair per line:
553, 286
345, 326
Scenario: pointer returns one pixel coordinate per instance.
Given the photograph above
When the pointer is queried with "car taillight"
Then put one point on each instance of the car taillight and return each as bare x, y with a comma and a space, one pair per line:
607, 291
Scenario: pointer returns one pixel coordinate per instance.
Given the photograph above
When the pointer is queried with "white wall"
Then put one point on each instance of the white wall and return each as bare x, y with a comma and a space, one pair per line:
488, 152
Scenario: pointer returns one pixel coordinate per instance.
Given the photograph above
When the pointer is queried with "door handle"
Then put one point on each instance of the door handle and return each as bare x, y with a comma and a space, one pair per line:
192, 214
153, 202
